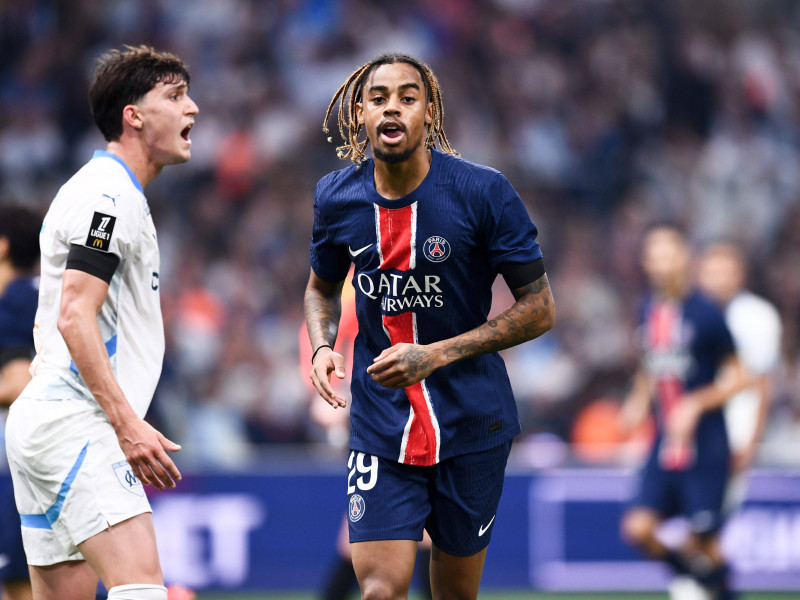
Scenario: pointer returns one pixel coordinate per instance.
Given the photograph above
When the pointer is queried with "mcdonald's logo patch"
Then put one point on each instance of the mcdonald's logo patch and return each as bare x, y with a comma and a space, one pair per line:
100, 231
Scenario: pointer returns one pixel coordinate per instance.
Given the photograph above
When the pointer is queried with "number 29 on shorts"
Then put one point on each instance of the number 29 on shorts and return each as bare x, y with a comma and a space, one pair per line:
368, 473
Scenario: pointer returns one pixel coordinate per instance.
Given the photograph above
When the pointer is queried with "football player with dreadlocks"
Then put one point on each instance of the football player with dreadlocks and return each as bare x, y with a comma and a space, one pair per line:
433, 414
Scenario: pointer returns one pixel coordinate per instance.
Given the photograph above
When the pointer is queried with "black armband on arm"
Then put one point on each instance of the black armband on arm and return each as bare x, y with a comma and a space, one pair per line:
518, 275
100, 264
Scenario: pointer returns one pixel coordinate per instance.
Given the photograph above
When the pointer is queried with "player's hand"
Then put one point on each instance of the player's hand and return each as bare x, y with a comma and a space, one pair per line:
402, 365
632, 415
326, 362
145, 448
682, 421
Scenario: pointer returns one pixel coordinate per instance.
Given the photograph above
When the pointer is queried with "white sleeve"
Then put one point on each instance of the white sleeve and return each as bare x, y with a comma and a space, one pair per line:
105, 222
756, 328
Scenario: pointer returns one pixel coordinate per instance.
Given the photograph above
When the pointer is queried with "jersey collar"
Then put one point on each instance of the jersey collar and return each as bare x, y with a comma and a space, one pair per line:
104, 154
420, 192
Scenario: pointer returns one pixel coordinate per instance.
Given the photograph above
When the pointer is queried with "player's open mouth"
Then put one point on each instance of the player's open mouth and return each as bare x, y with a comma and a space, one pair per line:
392, 131
185, 133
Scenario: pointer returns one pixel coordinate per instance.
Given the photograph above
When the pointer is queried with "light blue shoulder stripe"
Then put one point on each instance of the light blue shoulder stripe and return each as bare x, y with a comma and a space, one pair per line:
45, 521
103, 153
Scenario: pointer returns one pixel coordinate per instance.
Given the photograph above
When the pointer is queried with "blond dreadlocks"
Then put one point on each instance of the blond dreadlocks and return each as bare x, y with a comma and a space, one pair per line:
349, 128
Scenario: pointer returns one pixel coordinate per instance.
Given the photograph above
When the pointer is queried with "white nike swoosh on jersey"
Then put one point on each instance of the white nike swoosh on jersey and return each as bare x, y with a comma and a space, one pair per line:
355, 253
483, 530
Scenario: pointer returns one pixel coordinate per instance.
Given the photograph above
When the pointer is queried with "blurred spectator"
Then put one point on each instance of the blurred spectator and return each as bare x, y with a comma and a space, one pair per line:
605, 115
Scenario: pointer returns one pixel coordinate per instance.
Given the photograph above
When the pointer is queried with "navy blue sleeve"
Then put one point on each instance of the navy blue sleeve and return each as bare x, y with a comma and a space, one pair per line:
17, 314
329, 260
510, 234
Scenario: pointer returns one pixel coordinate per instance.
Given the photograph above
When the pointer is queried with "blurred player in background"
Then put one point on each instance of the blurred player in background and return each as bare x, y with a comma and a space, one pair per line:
78, 446
756, 328
19, 293
433, 414
686, 349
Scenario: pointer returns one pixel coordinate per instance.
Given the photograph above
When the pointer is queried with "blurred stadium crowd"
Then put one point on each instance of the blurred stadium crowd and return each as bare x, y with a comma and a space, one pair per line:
604, 114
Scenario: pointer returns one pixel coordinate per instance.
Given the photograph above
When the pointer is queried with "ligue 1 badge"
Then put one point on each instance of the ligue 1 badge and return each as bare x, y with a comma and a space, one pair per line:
356, 507
436, 249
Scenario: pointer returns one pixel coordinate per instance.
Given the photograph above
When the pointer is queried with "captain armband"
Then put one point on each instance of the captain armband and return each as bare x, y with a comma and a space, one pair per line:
102, 265
518, 275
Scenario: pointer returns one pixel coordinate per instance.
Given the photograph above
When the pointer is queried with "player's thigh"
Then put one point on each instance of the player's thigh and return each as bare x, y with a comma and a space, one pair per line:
384, 568
125, 553
455, 577
464, 500
386, 500
70, 580
703, 498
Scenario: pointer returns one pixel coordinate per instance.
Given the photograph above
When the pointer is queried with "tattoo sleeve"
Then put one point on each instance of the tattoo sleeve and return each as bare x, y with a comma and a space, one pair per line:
529, 317
323, 308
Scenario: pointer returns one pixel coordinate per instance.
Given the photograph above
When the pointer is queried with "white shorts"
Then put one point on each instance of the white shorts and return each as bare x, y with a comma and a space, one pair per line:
71, 479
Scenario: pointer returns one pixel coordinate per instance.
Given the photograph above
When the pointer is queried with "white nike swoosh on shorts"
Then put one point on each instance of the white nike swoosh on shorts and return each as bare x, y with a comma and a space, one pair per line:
355, 253
483, 529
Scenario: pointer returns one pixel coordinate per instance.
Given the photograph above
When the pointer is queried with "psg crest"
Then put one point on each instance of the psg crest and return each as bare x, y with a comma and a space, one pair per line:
436, 249
356, 507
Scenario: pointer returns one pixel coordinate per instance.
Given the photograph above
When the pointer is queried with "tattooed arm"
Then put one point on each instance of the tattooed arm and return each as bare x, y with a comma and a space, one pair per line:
323, 307
529, 317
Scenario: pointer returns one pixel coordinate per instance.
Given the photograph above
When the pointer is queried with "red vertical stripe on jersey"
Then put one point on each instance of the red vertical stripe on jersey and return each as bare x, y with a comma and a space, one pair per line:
421, 444
665, 336
395, 228
396, 231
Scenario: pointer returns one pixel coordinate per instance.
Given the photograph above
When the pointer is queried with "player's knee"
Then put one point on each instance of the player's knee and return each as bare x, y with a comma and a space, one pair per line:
380, 590
138, 591
705, 526
637, 528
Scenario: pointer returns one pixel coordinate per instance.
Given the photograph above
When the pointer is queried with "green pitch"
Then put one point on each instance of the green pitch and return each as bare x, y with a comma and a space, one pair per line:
499, 596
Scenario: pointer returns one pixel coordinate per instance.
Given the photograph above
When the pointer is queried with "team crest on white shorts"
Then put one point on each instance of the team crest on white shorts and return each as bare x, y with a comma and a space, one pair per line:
356, 507
127, 479
436, 249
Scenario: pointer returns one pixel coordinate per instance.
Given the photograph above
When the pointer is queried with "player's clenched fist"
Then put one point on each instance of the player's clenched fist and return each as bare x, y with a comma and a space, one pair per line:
325, 362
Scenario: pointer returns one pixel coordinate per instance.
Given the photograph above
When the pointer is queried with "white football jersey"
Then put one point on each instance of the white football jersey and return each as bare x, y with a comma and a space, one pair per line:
756, 328
102, 207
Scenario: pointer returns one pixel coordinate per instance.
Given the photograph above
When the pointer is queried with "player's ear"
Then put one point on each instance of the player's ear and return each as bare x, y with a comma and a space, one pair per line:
360, 113
429, 113
132, 116
4, 247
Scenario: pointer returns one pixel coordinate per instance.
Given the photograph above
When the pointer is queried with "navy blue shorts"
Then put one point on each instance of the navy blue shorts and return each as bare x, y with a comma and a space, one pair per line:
696, 493
13, 564
455, 500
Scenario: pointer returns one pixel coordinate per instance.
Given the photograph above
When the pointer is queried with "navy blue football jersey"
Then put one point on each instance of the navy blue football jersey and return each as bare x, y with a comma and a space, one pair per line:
684, 345
17, 312
424, 268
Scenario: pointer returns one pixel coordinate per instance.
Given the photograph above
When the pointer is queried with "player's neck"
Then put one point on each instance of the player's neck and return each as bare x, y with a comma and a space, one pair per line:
136, 157
395, 180
674, 292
